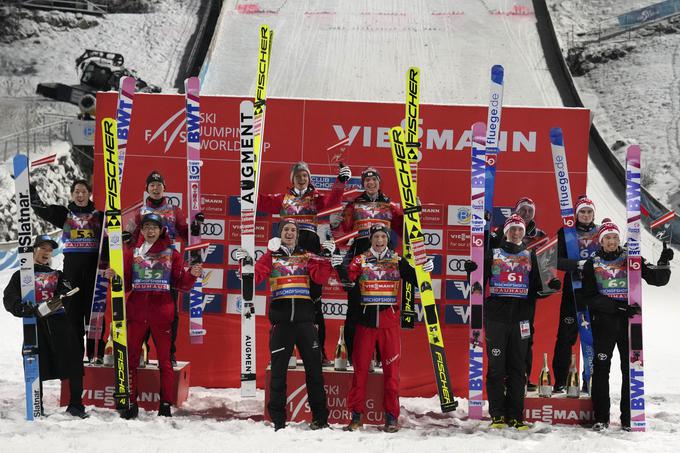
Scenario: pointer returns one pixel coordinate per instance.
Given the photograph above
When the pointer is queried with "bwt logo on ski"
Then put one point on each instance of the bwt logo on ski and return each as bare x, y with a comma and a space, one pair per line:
434, 139
212, 303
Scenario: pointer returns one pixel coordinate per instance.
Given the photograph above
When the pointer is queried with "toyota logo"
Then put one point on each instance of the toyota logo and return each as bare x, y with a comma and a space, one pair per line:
172, 201
213, 229
258, 254
457, 264
495, 352
432, 239
602, 356
569, 320
334, 308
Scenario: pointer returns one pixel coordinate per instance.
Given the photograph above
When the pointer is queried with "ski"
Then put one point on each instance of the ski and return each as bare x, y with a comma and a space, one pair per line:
193, 124
493, 131
408, 294
113, 222
636, 356
24, 240
126, 91
478, 173
415, 233
251, 120
573, 253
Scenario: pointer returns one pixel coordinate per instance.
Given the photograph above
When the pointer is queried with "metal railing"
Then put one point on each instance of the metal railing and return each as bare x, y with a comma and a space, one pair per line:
74, 6
33, 140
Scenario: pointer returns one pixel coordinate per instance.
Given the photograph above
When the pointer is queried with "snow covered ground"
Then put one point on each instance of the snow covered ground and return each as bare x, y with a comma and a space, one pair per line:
636, 98
218, 420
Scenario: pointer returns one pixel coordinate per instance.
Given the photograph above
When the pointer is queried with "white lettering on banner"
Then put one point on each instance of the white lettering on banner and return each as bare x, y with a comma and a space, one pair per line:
548, 414
435, 139
213, 138
463, 311
106, 395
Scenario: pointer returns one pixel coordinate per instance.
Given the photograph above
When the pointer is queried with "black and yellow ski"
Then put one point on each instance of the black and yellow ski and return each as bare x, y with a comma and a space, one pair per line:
408, 313
415, 235
113, 223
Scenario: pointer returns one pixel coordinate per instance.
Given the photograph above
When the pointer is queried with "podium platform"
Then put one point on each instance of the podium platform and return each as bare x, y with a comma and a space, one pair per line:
337, 385
98, 386
559, 409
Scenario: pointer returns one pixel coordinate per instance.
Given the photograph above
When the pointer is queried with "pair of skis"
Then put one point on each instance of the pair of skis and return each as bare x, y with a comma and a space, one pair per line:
415, 235
634, 268
483, 159
251, 120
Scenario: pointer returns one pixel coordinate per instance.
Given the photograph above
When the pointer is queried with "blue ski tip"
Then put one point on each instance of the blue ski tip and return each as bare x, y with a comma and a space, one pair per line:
20, 163
497, 74
556, 136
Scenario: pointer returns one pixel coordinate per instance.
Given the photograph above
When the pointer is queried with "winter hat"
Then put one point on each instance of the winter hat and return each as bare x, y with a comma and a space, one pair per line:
607, 227
154, 218
369, 172
297, 168
583, 202
154, 176
376, 228
45, 238
525, 201
514, 220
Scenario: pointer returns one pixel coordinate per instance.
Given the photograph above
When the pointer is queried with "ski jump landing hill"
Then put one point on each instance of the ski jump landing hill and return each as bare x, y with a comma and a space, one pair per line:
338, 70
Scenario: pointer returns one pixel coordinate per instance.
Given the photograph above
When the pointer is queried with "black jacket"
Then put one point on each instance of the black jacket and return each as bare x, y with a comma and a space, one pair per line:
58, 346
512, 309
599, 303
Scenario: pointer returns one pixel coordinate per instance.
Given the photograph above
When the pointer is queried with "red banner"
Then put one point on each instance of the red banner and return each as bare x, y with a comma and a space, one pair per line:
303, 130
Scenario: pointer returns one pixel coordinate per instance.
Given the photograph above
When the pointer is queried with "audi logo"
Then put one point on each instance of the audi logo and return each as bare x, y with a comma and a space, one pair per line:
432, 239
457, 264
173, 201
212, 229
258, 254
334, 308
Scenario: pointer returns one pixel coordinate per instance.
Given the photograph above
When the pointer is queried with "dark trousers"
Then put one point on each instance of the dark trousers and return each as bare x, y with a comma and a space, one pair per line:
530, 342
282, 337
505, 377
82, 274
319, 321
609, 331
567, 332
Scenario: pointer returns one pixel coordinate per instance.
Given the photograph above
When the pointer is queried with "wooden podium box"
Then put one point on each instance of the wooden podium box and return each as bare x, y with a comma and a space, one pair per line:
337, 385
559, 410
98, 386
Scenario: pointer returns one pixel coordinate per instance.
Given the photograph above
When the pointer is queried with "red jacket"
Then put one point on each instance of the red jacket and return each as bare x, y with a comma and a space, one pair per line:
179, 227
155, 306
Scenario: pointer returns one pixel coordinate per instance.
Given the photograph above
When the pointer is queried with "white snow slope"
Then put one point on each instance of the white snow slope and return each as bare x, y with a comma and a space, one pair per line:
349, 62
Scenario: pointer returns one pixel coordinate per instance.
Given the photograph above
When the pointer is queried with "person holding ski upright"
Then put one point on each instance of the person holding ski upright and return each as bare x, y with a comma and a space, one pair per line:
511, 273
81, 225
291, 269
152, 268
526, 209
378, 273
60, 345
175, 223
370, 208
567, 330
605, 292
302, 202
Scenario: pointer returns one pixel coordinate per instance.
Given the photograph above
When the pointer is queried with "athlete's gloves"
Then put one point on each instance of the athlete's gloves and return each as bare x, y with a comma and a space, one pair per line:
555, 284
666, 255
344, 174
196, 224
580, 264
470, 266
241, 254
274, 244
336, 260
429, 265
629, 310
328, 245
127, 236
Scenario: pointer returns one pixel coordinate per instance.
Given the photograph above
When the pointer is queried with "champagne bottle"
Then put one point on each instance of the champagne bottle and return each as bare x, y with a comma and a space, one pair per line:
341, 352
292, 362
143, 357
545, 380
573, 385
108, 351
